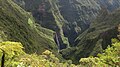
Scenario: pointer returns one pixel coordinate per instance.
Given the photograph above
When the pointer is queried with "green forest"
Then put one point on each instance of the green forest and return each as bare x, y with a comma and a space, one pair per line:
12, 55
59, 33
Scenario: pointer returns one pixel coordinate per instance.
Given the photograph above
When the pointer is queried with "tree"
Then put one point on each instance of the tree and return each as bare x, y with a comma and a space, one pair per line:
9, 50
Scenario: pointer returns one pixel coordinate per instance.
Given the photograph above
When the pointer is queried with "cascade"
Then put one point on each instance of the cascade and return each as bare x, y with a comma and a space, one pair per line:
57, 41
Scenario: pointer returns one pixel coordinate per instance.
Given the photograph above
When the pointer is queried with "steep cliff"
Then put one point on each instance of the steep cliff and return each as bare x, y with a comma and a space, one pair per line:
71, 22
96, 38
47, 14
18, 25
69, 17
80, 13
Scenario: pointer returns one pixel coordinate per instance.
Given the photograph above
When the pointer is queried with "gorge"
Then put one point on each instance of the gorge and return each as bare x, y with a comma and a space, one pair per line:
71, 29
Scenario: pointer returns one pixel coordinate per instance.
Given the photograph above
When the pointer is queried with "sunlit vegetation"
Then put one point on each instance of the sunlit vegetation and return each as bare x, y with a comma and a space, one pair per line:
9, 53
109, 58
12, 55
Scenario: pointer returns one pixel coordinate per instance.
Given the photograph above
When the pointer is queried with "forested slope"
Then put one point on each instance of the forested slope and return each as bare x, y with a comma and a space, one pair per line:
18, 25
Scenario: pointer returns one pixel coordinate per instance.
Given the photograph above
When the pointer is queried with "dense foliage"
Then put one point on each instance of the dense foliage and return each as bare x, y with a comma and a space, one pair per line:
18, 25
109, 58
16, 57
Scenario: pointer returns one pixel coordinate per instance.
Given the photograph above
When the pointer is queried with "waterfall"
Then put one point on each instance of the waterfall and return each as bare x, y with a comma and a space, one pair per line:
57, 41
